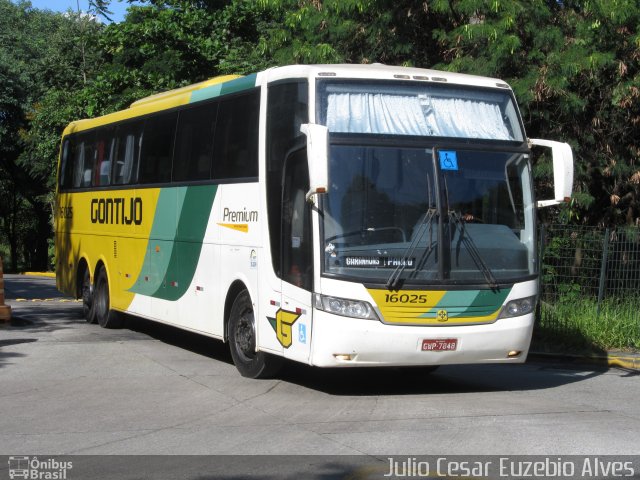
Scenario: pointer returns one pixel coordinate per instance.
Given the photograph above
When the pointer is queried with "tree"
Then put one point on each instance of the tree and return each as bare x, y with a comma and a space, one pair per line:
351, 31
574, 68
39, 54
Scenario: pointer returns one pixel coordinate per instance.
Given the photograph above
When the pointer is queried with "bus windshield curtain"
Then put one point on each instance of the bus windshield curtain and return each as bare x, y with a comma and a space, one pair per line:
422, 115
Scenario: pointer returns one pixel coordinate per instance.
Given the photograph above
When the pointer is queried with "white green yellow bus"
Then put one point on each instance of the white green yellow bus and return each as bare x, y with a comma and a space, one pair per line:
336, 215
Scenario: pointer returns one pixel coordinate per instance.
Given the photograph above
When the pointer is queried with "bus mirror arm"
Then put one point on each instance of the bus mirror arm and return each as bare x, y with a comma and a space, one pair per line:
317, 158
310, 194
562, 171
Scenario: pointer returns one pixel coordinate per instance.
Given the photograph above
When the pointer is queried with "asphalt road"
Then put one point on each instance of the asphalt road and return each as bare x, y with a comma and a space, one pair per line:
67, 387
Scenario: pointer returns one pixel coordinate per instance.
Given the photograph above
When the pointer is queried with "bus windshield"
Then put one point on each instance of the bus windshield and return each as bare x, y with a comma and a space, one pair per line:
428, 215
400, 207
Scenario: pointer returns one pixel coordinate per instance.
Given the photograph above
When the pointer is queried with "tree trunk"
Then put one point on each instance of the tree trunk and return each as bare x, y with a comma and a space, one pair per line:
41, 253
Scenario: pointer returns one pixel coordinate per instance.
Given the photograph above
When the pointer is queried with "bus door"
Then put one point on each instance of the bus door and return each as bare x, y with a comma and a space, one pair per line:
293, 325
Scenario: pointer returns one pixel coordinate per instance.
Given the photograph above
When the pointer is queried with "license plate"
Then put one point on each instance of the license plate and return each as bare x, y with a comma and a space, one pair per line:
440, 345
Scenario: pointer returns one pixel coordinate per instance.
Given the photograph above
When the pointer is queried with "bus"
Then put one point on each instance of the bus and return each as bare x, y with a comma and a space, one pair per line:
335, 215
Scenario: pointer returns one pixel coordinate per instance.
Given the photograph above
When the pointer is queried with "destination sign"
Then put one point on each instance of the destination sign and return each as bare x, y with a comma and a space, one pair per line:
379, 262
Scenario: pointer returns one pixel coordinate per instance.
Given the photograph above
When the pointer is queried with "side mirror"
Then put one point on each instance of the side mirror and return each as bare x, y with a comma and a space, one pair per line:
317, 157
562, 171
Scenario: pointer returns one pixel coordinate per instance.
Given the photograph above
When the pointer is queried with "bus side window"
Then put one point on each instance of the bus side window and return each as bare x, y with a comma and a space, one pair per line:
66, 165
90, 159
157, 148
287, 105
83, 158
104, 154
297, 253
235, 153
194, 143
127, 151
78, 163
107, 167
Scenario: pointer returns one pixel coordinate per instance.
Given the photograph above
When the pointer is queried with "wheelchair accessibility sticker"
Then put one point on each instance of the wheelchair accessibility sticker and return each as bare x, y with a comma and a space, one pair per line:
448, 160
302, 333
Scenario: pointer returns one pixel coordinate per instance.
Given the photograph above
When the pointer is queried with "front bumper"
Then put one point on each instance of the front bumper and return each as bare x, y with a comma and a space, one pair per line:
372, 343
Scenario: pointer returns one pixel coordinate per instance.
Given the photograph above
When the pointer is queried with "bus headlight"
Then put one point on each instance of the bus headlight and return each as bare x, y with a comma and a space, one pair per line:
344, 307
515, 308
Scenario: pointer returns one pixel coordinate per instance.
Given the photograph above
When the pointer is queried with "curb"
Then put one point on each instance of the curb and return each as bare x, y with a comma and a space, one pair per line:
612, 360
40, 274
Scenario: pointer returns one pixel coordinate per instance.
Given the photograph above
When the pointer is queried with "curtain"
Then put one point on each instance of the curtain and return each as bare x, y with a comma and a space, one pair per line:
422, 115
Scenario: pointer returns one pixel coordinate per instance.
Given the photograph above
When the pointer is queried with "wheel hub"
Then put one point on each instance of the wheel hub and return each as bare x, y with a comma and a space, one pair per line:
245, 337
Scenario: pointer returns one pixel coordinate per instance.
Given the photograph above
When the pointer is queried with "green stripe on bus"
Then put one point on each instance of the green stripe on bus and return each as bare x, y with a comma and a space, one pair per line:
232, 86
470, 303
205, 93
160, 244
192, 225
170, 264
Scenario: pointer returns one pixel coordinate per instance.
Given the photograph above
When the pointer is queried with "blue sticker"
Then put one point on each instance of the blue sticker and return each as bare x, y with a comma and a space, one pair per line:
302, 333
448, 160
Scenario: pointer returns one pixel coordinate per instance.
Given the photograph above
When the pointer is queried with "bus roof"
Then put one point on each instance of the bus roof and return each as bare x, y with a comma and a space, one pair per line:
380, 72
226, 84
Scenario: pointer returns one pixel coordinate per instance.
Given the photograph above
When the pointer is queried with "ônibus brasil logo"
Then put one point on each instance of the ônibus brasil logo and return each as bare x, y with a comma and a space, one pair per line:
33, 468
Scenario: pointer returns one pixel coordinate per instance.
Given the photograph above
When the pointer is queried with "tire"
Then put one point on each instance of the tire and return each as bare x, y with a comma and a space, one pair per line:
106, 317
88, 310
242, 342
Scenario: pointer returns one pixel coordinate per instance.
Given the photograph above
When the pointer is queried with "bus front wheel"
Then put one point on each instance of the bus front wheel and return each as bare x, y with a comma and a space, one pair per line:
242, 341
106, 317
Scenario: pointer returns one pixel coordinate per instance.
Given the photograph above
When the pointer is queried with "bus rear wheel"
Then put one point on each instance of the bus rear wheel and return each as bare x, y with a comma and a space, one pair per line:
242, 341
106, 317
88, 310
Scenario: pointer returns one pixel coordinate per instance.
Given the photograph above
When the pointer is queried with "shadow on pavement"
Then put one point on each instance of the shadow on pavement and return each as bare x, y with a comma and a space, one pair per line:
386, 381
200, 344
5, 357
35, 317
445, 380
30, 287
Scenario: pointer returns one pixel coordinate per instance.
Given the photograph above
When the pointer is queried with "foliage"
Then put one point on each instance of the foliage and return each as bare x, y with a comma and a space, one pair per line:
577, 324
574, 69
351, 31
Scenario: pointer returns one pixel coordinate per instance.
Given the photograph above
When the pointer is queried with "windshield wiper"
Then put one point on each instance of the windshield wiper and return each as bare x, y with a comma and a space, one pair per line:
395, 276
475, 254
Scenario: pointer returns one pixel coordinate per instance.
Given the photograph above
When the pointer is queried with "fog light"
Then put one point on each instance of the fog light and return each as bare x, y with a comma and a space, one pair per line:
345, 357
514, 353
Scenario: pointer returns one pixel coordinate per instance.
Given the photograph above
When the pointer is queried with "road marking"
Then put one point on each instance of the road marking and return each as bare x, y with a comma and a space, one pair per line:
58, 300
